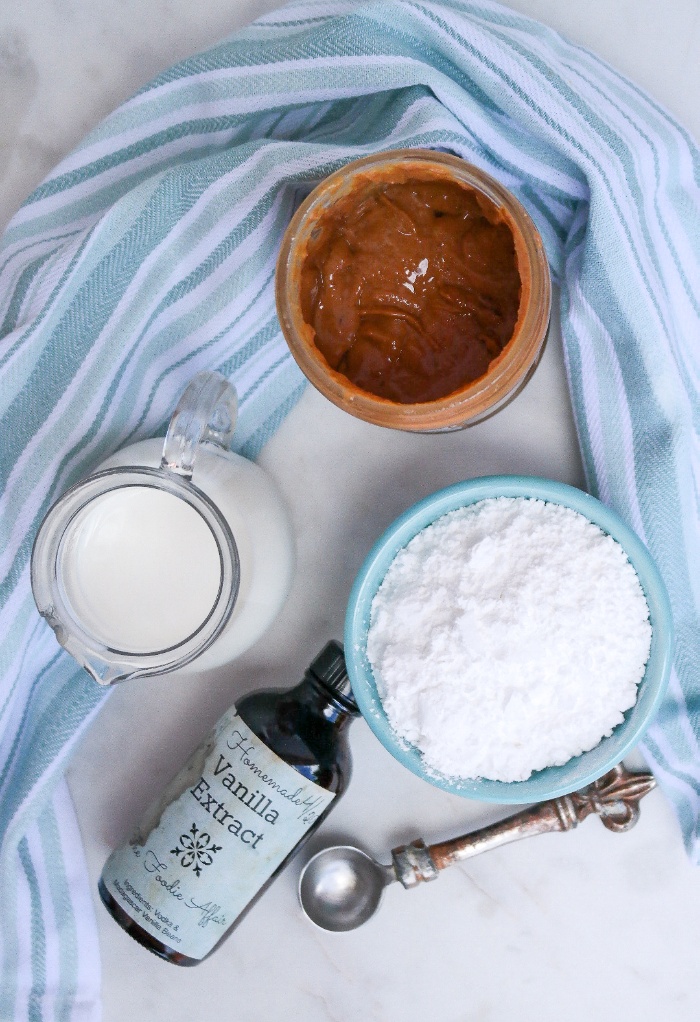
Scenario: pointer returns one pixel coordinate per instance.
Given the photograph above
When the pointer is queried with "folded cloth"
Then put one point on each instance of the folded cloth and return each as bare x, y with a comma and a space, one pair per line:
149, 254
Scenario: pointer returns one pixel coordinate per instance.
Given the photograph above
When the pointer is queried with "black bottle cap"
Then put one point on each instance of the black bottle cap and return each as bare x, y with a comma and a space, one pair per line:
329, 668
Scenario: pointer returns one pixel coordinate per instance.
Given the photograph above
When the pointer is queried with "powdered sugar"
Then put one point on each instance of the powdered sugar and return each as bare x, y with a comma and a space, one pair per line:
508, 636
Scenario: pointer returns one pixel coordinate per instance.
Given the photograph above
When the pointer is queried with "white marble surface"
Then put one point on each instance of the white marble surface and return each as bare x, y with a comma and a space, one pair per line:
581, 926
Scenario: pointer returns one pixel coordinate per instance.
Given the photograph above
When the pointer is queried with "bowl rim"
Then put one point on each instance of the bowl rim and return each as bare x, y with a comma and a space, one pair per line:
506, 374
550, 782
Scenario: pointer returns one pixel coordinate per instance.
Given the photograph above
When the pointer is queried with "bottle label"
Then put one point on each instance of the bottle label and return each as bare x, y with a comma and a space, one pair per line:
238, 813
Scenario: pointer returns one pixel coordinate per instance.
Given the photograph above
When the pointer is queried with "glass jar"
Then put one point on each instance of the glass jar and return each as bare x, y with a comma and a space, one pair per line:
507, 373
172, 551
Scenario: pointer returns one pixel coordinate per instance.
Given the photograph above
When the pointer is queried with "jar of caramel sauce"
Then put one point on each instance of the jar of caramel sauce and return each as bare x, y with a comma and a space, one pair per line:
414, 291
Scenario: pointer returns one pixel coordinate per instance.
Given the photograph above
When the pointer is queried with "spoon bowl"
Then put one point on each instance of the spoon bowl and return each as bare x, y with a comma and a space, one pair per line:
340, 888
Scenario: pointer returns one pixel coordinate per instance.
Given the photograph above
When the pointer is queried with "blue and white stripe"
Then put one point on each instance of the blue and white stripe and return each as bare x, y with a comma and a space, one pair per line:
149, 254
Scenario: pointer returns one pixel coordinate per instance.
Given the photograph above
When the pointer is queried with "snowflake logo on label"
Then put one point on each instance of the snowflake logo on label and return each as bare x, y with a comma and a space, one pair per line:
197, 849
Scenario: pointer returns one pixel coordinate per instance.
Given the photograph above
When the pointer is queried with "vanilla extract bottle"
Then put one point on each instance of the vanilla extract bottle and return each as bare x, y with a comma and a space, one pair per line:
242, 806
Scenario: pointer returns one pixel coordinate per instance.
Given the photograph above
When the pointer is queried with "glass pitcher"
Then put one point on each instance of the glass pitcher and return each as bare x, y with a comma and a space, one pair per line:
171, 551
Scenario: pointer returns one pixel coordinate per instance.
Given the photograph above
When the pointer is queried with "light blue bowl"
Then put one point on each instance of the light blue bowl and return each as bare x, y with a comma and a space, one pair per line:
553, 781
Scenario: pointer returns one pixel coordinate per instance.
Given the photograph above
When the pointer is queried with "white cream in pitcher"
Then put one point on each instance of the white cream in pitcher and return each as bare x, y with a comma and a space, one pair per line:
150, 596
253, 508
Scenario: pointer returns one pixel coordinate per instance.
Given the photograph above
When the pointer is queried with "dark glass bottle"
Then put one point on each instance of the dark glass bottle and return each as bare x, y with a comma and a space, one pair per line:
155, 891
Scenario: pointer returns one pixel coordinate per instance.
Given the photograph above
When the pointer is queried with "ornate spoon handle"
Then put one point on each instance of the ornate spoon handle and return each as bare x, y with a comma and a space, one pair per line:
615, 797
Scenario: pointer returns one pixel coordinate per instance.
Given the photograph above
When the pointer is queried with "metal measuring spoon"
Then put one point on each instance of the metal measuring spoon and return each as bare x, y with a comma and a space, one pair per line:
340, 888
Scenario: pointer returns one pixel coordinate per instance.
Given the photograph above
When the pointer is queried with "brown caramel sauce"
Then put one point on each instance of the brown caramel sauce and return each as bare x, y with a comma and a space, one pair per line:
411, 286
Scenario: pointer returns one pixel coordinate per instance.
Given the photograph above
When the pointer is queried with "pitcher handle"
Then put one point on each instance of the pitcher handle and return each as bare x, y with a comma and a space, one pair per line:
206, 411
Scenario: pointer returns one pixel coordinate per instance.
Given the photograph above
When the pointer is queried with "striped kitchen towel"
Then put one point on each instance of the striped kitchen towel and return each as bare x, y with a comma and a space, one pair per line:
149, 254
